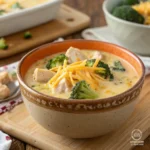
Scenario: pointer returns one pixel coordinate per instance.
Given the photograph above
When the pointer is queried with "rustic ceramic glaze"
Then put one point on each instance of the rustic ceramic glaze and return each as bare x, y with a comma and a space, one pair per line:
80, 118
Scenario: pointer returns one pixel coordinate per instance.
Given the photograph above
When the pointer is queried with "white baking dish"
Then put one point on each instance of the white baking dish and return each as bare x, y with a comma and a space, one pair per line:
28, 17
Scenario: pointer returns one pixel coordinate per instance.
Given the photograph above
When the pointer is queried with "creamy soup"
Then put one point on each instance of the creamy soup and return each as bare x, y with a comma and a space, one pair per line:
106, 74
15, 5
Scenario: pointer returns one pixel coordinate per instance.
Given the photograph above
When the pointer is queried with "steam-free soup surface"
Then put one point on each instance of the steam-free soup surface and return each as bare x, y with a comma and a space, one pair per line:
122, 80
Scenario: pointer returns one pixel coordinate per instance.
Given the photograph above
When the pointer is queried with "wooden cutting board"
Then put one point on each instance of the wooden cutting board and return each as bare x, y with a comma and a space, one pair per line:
68, 21
20, 124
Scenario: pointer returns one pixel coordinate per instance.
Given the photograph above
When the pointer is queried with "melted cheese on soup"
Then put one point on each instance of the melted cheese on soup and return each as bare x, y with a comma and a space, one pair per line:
122, 80
15, 5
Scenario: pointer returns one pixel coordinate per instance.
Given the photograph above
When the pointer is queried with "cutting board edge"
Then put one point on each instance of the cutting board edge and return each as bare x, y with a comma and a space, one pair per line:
20, 134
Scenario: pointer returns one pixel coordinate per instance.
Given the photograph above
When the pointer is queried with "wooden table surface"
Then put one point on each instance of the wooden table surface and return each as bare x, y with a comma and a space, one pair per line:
93, 8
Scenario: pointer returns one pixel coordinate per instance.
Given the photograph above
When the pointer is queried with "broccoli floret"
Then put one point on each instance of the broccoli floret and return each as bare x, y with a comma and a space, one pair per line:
90, 62
107, 73
2, 11
82, 90
118, 66
3, 44
27, 35
56, 61
16, 6
129, 2
128, 13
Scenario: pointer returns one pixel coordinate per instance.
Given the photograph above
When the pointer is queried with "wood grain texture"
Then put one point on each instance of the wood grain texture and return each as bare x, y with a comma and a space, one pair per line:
29, 147
94, 10
17, 145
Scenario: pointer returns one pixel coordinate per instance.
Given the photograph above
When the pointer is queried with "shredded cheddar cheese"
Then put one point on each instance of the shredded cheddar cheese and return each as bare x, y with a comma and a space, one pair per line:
144, 9
58, 79
2, 1
96, 63
56, 76
76, 72
78, 62
71, 78
65, 63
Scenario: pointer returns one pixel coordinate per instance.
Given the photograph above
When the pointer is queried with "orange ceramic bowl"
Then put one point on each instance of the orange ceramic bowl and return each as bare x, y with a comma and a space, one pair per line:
80, 118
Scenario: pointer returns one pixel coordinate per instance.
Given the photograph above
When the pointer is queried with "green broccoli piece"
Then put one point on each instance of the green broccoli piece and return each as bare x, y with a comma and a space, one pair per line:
130, 2
16, 6
2, 11
14, 74
82, 90
90, 62
56, 61
106, 74
118, 66
128, 13
27, 35
3, 44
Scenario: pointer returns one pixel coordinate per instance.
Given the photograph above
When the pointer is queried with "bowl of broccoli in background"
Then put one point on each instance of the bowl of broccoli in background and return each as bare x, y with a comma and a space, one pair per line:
127, 25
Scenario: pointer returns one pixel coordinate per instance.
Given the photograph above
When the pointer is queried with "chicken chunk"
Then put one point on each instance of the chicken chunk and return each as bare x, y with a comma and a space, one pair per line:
74, 55
4, 77
97, 55
63, 86
4, 91
42, 75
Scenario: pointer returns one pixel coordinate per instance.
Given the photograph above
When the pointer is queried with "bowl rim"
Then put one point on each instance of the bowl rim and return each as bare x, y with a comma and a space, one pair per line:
105, 10
83, 101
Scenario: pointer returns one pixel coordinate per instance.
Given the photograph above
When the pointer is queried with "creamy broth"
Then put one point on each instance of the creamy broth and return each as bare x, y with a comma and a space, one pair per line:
10, 5
122, 80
